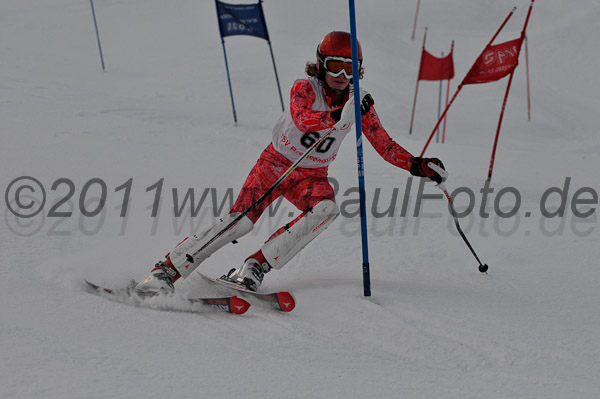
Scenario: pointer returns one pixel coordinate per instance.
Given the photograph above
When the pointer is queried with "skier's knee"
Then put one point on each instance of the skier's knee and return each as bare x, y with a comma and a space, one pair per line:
327, 209
282, 247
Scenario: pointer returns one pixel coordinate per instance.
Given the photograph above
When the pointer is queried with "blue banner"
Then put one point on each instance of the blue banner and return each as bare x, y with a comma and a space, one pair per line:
241, 19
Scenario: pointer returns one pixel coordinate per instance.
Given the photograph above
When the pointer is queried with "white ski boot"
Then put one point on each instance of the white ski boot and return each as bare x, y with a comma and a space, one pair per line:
160, 280
250, 275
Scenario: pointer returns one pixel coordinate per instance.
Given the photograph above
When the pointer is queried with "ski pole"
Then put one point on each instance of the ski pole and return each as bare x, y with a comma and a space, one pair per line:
483, 267
269, 191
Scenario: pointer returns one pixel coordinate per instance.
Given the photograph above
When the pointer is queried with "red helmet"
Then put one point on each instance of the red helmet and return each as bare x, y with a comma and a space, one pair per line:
337, 44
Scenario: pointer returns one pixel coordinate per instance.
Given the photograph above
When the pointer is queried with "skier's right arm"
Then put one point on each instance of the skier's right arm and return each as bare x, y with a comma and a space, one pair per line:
304, 117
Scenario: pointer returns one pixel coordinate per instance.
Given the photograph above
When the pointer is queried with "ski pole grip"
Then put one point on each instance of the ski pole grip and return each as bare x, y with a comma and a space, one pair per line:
443, 173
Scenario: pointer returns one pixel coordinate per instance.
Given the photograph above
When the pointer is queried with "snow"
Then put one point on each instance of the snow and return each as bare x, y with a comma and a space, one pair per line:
160, 113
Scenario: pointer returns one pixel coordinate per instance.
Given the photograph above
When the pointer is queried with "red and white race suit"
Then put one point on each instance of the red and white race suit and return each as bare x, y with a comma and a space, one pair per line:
306, 187
296, 130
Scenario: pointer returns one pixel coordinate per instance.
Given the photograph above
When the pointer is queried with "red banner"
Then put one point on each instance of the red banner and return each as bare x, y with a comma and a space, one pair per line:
434, 68
495, 62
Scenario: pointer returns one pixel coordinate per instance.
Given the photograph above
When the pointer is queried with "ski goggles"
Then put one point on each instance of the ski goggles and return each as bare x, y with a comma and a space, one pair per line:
335, 66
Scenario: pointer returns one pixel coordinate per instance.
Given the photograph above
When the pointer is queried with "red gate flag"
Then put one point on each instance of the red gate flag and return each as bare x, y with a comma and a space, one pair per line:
434, 68
495, 62
471, 76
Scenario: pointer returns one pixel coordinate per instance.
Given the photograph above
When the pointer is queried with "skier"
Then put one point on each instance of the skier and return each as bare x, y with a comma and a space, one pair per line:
321, 102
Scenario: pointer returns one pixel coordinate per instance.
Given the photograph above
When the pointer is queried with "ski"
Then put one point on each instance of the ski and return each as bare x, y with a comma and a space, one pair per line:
230, 304
281, 300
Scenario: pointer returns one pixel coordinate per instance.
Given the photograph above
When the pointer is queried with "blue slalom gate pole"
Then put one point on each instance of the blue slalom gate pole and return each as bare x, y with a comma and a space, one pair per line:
359, 153
276, 76
97, 35
229, 82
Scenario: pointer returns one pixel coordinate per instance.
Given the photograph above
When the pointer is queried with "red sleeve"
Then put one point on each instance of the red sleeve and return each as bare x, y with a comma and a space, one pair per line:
301, 103
383, 143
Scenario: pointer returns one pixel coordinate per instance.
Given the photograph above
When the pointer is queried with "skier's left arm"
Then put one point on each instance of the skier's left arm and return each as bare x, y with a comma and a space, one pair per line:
385, 146
391, 151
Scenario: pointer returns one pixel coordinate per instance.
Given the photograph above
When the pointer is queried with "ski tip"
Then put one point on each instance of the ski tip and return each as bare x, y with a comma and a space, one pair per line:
94, 287
238, 305
90, 284
91, 287
286, 300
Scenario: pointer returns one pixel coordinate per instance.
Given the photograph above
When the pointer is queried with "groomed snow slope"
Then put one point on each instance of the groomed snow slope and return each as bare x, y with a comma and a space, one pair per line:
434, 326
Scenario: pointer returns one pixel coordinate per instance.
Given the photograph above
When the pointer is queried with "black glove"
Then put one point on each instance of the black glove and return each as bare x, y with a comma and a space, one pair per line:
420, 168
366, 103
365, 107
